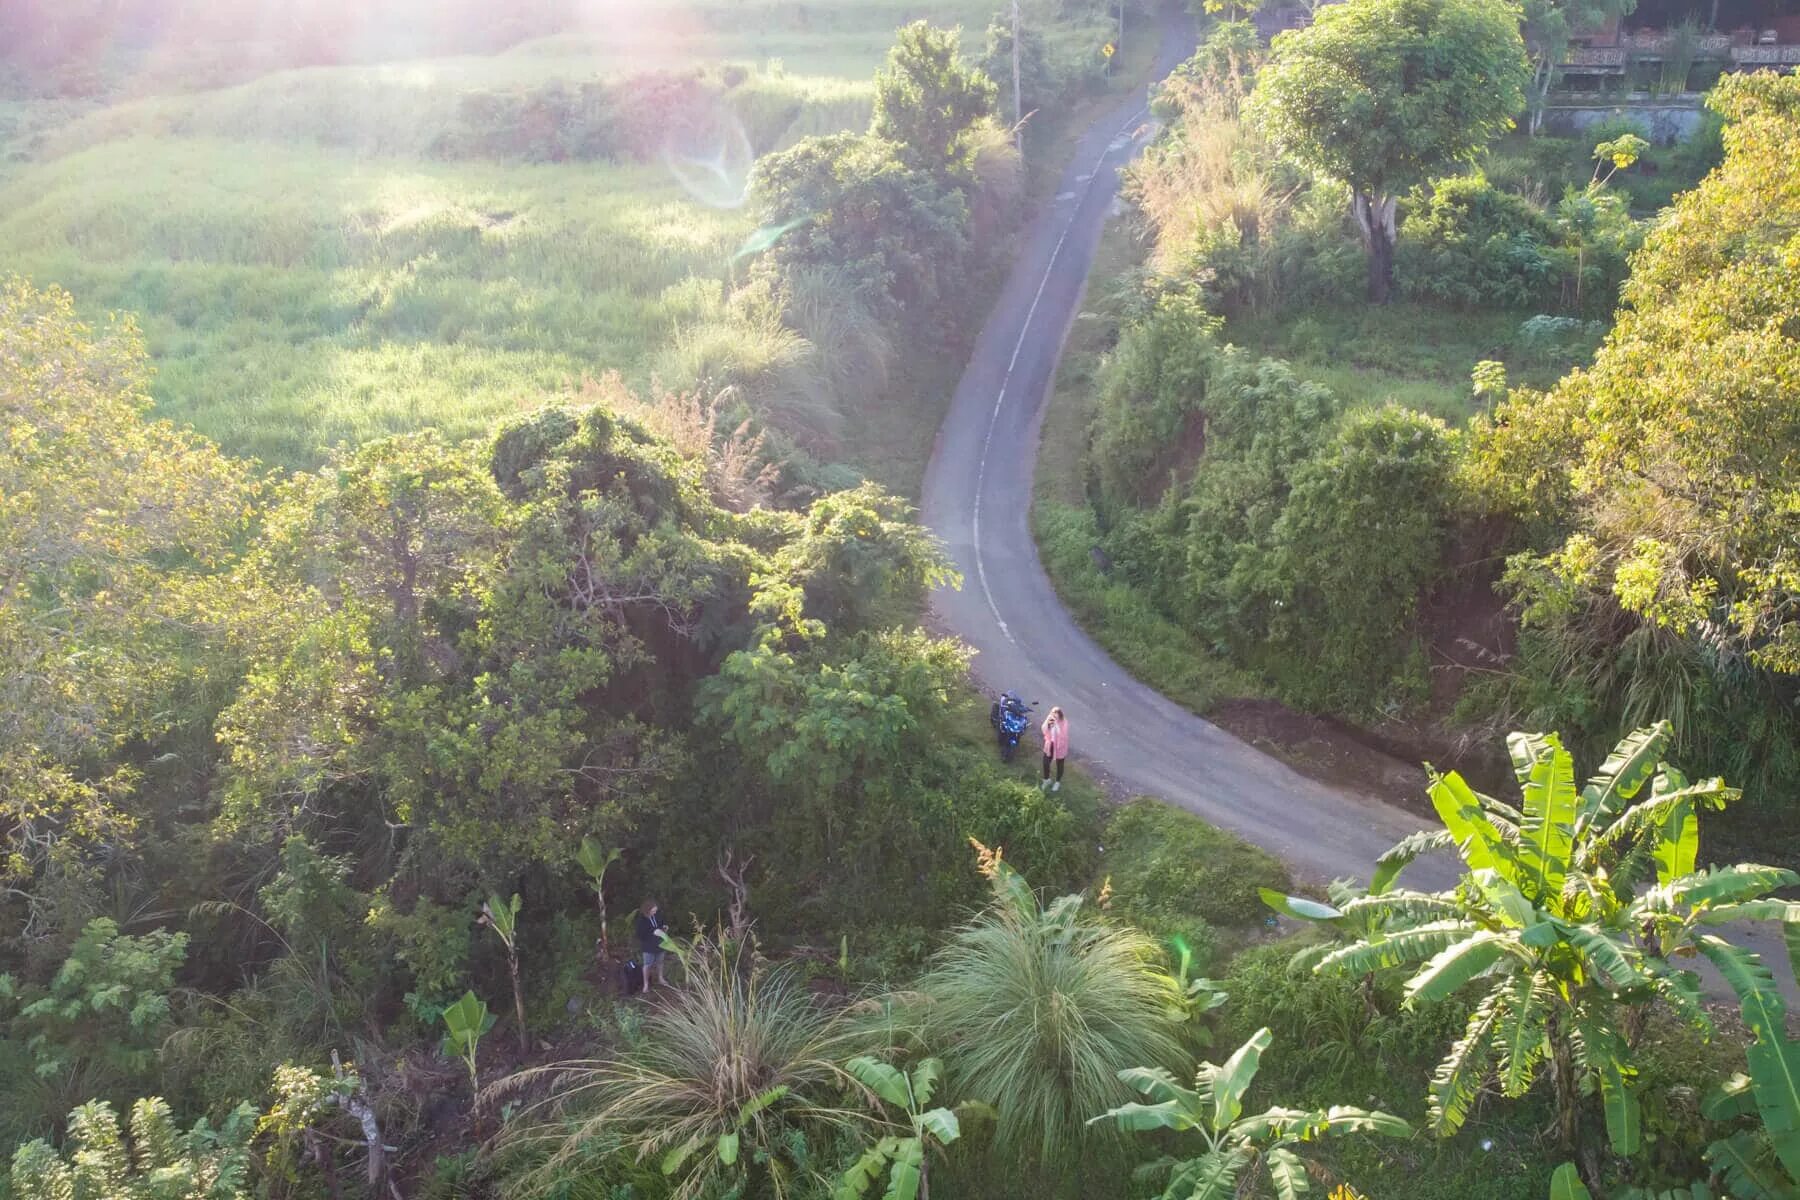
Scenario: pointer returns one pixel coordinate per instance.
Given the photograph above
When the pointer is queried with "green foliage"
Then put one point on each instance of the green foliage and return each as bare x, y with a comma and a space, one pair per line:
1570, 908
111, 525
1383, 94
1236, 1147
464, 1024
1358, 542
106, 1006
905, 1158
1669, 457
160, 1160
730, 1078
926, 100
1034, 1007
907, 264
1174, 874
1465, 243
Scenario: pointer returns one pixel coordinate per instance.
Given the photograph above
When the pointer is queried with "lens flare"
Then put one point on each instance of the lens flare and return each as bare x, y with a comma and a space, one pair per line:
710, 156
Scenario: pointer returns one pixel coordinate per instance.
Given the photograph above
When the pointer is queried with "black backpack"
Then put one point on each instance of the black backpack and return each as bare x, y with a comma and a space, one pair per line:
632, 974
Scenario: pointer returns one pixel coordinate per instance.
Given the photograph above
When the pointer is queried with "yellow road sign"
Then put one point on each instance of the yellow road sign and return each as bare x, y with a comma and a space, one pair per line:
1108, 49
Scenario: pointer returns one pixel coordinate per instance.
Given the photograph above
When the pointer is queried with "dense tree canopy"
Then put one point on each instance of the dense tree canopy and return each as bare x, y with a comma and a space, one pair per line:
1675, 455
1383, 94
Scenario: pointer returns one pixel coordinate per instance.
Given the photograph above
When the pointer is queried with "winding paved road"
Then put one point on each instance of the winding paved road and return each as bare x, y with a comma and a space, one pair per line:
977, 498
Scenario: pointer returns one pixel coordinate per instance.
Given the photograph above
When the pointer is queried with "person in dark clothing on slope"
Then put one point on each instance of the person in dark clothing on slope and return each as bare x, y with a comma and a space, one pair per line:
649, 925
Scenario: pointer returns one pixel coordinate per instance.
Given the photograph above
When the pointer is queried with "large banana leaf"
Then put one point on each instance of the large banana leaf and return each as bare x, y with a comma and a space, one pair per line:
1479, 843
1730, 1100
1404, 906
1234, 1077
1726, 885
1774, 1063
1619, 1101
1547, 776
903, 1176
1402, 853
925, 1078
1648, 815
1565, 1184
1287, 1174
1455, 965
865, 1170
941, 1124
1520, 1034
1396, 949
1765, 1012
1677, 844
1458, 1079
884, 1079
1158, 1084
1608, 957
1298, 907
1632, 762
1742, 1162
1212, 1176
1136, 1118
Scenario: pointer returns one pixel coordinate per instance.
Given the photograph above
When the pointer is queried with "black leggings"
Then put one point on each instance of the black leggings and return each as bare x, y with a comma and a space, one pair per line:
1059, 766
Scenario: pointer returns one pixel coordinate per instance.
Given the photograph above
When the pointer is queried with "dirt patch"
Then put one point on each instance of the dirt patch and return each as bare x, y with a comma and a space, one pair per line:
1323, 749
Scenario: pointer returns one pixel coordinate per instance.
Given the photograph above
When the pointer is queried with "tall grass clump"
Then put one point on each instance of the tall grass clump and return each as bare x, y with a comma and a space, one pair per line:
738, 1055
1035, 1009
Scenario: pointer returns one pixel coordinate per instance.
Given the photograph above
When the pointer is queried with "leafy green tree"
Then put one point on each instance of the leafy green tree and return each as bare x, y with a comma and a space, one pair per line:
1566, 916
1670, 465
107, 1006
1384, 94
895, 233
160, 1160
927, 99
1034, 1007
1549, 26
1240, 1150
728, 1070
111, 527
1360, 538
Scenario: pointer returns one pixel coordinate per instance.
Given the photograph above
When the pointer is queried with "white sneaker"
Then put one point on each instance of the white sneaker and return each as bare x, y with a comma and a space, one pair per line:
1057, 786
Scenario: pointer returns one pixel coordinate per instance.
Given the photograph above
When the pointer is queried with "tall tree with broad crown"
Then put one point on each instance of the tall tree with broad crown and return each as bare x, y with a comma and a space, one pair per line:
1385, 94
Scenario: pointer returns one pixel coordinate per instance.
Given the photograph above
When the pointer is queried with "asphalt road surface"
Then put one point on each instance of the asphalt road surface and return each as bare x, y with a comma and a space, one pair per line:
977, 498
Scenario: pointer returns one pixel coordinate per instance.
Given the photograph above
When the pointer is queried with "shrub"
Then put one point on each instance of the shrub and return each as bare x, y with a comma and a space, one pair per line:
1035, 1009
1359, 540
1466, 243
1154, 386
1172, 872
731, 1066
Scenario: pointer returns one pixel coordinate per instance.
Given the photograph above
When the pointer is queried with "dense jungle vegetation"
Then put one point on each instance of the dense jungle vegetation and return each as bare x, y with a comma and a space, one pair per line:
433, 525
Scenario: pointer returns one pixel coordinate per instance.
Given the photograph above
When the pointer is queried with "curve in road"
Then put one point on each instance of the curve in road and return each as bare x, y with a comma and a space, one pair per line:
977, 498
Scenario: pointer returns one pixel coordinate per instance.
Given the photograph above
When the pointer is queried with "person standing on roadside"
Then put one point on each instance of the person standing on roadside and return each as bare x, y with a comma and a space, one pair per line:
649, 926
1056, 748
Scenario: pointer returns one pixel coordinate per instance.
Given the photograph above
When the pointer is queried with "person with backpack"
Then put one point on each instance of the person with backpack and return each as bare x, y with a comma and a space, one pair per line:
1056, 747
649, 926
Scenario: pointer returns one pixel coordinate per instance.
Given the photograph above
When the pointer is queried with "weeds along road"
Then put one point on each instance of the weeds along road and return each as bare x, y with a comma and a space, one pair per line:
977, 498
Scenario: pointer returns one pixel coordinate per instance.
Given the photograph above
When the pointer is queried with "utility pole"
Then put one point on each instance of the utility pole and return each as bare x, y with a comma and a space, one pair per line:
1018, 110
1121, 42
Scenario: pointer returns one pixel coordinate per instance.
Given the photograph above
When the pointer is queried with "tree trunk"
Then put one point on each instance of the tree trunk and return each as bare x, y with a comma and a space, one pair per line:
1568, 1102
600, 899
1374, 215
1018, 109
512, 965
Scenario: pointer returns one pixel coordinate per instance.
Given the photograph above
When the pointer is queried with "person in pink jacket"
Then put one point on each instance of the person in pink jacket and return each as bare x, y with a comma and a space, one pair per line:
1056, 747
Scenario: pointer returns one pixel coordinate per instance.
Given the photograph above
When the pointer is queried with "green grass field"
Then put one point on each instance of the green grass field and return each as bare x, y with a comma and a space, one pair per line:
307, 274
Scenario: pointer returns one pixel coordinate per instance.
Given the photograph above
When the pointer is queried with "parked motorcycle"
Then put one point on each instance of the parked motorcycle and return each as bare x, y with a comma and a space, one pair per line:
1010, 717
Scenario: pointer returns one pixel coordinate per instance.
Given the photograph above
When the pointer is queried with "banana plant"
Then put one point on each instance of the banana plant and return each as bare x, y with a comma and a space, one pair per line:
502, 916
905, 1159
1239, 1149
595, 861
466, 1021
1568, 913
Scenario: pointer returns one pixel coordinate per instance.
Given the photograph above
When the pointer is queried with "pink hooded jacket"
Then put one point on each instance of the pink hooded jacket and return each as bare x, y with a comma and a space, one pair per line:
1056, 737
